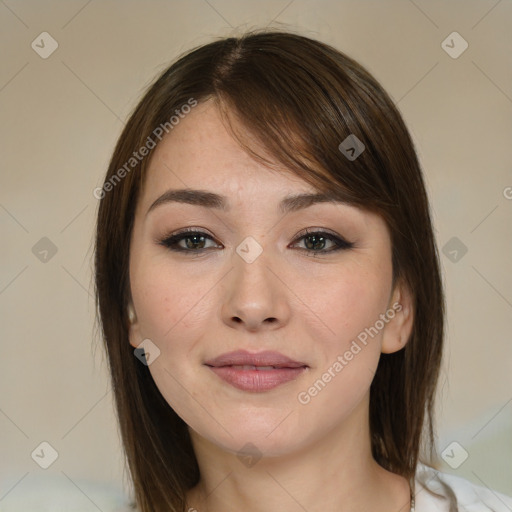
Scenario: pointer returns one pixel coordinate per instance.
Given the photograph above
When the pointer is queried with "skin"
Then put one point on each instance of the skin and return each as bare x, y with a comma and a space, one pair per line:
196, 306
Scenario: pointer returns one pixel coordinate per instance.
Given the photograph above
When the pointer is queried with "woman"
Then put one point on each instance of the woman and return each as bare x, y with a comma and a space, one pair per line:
269, 290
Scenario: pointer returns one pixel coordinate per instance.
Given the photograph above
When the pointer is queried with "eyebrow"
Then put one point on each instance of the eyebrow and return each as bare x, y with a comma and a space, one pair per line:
207, 199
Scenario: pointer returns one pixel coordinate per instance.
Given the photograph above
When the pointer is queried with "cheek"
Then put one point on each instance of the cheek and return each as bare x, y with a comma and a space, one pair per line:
347, 303
174, 312
350, 348
169, 304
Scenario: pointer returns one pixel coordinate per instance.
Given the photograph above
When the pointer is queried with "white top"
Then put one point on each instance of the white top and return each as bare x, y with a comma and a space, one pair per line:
455, 494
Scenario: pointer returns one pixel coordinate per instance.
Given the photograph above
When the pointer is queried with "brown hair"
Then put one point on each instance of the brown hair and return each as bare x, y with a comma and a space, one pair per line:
300, 99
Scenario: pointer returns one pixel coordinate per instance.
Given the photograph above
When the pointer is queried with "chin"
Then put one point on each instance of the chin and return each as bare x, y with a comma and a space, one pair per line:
258, 435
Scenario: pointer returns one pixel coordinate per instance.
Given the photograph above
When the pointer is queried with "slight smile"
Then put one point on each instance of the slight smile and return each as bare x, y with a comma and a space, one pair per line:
256, 372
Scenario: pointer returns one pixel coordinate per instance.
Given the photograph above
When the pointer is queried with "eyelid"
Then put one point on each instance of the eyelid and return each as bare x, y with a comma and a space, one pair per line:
316, 230
192, 230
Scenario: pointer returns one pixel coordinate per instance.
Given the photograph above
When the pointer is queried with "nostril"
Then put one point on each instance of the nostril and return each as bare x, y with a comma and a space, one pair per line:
269, 320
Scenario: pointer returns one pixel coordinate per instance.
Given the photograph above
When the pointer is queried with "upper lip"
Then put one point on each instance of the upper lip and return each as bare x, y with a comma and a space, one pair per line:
244, 358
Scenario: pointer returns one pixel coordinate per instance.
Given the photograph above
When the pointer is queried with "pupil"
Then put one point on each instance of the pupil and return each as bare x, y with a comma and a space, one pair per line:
196, 240
318, 243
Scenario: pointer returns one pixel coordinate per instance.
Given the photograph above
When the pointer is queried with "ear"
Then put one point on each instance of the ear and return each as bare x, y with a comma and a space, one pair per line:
401, 316
134, 334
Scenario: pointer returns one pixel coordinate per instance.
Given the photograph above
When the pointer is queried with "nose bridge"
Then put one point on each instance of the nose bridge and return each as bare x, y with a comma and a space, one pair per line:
251, 275
254, 297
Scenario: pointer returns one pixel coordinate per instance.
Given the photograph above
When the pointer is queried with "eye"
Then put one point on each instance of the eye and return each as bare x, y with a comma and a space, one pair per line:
322, 242
189, 240
193, 241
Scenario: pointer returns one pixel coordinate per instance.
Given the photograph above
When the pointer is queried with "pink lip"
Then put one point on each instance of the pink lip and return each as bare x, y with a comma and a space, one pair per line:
239, 369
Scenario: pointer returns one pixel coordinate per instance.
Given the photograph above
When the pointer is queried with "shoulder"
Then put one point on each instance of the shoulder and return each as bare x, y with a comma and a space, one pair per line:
441, 492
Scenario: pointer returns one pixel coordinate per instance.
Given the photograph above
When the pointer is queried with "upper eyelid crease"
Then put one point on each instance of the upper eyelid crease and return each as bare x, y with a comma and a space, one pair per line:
207, 199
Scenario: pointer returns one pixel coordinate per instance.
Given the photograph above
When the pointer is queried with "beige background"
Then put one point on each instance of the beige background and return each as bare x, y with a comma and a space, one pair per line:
62, 115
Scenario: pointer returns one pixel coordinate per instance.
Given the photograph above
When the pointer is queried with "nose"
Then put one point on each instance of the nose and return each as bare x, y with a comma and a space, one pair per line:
256, 297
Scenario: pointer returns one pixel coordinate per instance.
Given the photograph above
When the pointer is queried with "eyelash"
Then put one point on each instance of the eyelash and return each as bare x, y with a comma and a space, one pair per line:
171, 242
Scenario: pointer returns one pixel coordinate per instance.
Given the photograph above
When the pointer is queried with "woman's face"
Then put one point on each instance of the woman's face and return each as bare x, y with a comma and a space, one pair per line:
299, 290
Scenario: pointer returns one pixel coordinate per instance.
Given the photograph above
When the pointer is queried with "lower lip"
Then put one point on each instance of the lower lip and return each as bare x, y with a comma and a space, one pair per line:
256, 380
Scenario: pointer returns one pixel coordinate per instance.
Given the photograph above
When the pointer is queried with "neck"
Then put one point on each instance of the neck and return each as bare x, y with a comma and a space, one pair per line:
337, 472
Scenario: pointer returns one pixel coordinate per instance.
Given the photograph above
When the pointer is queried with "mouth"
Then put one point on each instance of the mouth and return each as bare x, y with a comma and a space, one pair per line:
256, 372
252, 367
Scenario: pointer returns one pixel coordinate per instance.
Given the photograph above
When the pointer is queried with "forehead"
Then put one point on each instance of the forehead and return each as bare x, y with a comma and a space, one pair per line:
201, 151
201, 154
